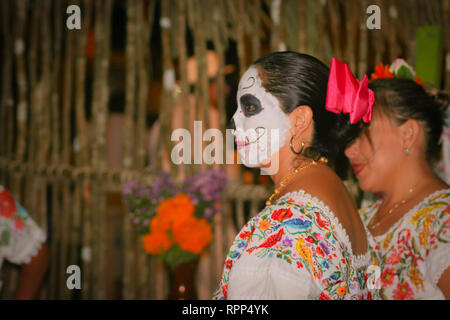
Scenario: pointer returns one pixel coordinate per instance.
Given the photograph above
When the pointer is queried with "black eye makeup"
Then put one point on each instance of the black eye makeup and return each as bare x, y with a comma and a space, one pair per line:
250, 105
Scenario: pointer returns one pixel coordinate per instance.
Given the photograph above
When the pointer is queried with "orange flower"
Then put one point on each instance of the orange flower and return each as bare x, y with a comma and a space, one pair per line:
264, 225
160, 223
192, 234
156, 242
176, 207
341, 290
381, 71
175, 217
170, 210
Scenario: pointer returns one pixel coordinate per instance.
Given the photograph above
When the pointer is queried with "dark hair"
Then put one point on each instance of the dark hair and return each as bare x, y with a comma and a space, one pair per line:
299, 79
402, 99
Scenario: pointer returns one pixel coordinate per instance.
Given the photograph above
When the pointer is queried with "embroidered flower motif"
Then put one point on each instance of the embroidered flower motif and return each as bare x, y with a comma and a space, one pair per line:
322, 223
287, 242
245, 234
228, 264
403, 292
394, 258
225, 290
264, 225
324, 296
319, 251
7, 205
341, 290
19, 224
299, 265
387, 277
325, 264
414, 276
281, 214
235, 254
318, 236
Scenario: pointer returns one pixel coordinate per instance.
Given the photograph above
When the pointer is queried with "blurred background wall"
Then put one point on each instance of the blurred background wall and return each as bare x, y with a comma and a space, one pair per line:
82, 111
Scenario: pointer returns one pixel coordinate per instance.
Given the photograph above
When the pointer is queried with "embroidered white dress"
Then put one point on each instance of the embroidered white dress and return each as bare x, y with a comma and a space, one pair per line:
294, 249
415, 251
20, 237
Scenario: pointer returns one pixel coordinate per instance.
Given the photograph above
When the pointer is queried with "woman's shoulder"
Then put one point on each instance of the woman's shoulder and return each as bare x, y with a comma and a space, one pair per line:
300, 210
434, 210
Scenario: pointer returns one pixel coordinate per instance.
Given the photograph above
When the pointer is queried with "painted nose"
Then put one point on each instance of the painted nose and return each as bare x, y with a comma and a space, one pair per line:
232, 125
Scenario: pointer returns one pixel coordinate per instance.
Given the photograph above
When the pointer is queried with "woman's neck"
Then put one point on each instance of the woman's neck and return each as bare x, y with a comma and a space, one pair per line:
415, 178
286, 167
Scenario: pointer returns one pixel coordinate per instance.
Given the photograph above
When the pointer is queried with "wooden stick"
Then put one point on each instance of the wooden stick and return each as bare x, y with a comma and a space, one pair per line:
19, 49
100, 117
302, 38
363, 54
184, 85
127, 291
143, 45
7, 99
82, 217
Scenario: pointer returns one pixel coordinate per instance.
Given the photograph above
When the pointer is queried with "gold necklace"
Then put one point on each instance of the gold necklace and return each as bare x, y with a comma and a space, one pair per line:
285, 180
398, 204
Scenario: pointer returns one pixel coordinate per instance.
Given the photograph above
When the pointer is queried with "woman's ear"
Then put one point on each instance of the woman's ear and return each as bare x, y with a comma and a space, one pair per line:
301, 119
410, 133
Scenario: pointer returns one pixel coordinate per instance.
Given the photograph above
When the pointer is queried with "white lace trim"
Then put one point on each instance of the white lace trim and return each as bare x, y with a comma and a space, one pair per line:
410, 211
36, 246
357, 260
27, 244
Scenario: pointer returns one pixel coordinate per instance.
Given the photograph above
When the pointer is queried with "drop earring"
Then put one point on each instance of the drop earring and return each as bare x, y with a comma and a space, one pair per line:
406, 151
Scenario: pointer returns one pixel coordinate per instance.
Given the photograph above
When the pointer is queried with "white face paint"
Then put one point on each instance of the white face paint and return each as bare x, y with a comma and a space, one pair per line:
262, 127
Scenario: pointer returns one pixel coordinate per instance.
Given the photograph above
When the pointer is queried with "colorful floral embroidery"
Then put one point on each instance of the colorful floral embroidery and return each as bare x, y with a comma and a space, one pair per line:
301, 234
15, 227
403, 252
7, 204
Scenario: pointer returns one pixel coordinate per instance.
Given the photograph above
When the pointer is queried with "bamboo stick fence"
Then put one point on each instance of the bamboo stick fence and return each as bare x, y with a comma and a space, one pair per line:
53, 91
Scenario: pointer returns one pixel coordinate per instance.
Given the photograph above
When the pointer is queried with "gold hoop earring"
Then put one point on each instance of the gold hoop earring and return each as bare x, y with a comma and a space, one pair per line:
292, 147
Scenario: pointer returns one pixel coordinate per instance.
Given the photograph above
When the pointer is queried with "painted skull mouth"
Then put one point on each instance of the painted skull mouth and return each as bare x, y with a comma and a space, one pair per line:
243, 143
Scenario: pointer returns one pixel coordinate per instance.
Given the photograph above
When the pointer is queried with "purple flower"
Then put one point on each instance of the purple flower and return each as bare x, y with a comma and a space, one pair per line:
208, 213
129, 187
207, 185
287, 242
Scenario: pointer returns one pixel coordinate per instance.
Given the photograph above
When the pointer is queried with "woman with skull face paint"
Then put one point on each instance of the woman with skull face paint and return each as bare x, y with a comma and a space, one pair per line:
309, 242
410, 225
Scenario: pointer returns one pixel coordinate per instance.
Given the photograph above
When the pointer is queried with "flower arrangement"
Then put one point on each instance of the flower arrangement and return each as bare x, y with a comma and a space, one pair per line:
175, 220
399, 69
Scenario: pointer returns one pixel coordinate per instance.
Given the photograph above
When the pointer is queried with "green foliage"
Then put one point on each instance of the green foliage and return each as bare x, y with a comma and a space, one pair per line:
175, 256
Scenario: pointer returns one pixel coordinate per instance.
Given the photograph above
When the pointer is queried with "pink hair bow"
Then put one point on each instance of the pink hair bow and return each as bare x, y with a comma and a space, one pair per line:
347, 94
